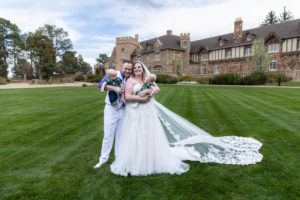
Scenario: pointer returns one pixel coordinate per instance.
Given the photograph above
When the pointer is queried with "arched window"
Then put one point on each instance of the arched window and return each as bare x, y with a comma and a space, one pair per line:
273, 64
123, 51
157, 69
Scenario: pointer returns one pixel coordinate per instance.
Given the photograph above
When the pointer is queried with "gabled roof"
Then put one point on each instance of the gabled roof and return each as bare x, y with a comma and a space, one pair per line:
168, 42
283, 30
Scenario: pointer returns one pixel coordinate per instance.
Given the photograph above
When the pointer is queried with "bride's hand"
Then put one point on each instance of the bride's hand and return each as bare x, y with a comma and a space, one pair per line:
146, 98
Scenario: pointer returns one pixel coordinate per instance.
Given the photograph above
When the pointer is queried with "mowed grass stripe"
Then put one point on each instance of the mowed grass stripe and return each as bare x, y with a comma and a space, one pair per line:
267, 113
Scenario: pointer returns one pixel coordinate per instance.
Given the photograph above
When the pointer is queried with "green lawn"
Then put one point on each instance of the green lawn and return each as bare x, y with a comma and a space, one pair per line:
50, 139
285, 83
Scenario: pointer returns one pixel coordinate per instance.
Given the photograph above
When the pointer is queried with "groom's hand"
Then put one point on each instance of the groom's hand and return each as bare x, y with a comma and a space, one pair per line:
111, 88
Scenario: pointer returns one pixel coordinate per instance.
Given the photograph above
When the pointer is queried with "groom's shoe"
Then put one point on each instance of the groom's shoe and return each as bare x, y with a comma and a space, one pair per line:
99, 164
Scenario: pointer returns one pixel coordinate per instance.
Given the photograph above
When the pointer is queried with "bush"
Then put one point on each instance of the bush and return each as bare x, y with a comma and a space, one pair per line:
94, 78
79, 78
165, 78
226, 79
255, 78
84, 85
273, 77
3, 81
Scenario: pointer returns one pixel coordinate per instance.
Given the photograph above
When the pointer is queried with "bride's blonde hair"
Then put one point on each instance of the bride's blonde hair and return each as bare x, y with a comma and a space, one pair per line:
143, 73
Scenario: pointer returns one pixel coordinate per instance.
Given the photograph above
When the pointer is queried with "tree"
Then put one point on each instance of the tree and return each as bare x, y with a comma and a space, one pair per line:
22, 68
9, 44
58, 37
68, 63
271, 18
43, 54
83, 66
260, 58
286, 15
178, 65
101, 60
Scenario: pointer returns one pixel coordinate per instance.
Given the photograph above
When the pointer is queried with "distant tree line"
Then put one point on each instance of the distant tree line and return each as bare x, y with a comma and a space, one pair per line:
37, 54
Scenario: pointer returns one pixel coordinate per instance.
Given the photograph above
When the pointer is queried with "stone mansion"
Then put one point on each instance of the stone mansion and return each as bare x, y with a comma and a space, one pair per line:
214, 55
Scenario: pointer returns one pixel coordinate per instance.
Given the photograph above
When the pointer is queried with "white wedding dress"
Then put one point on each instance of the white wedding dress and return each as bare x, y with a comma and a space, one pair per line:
156, 140
143, 147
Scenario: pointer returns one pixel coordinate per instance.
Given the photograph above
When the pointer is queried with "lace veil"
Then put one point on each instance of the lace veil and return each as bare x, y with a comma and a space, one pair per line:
192, 143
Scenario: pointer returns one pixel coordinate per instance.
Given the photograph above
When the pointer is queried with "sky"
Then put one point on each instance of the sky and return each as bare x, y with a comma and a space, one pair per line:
93, 25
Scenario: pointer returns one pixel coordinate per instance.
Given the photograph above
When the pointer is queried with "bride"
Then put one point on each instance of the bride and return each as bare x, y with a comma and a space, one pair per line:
156, 140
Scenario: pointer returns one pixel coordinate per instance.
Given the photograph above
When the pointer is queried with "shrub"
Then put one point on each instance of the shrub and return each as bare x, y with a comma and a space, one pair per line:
84, 85
94, 78
3, 81
255, 78
273, 77
79, 78
226, 79
165, 78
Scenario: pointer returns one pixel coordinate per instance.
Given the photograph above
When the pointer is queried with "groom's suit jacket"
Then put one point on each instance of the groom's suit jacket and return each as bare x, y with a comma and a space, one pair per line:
121, 76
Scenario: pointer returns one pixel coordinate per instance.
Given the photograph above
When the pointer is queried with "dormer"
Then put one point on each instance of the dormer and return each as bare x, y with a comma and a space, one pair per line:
249, 36
222, 41
157, 44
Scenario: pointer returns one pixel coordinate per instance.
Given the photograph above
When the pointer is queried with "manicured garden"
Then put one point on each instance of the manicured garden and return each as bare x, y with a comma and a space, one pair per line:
50, 139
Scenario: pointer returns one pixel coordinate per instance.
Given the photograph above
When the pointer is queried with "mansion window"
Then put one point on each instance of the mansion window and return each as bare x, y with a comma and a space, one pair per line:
247, 51
216, 69
123, 51
273, 48
139, 58
113, 64
221, 42
195, 58
204, 56
249, 37
204, 69
228, 53
148, 57
273, 64
299, 44
157, 69
157, 57
184, 45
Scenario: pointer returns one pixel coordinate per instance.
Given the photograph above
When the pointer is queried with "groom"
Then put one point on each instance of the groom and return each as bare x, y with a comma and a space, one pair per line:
112, 118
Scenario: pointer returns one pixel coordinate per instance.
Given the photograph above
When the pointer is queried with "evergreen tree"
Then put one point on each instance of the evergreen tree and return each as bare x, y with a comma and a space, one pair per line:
9, 44
286, 15
43, 54
22, 68
271, 18
101, 60
68, 63
83, 66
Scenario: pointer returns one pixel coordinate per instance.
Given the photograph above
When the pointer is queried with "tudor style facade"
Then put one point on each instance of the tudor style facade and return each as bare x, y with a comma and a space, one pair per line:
220, 54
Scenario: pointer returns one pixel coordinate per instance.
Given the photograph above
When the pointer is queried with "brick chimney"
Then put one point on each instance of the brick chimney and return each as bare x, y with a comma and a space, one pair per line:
169, 32
238, 29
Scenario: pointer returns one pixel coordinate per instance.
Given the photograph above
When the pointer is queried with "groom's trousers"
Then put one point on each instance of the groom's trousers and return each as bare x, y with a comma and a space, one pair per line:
112, 127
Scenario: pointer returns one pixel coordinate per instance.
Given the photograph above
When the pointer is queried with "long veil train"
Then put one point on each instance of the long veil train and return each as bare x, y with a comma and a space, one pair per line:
192, 143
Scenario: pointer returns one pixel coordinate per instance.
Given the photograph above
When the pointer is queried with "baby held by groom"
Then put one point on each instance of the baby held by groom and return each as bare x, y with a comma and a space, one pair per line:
113, 80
